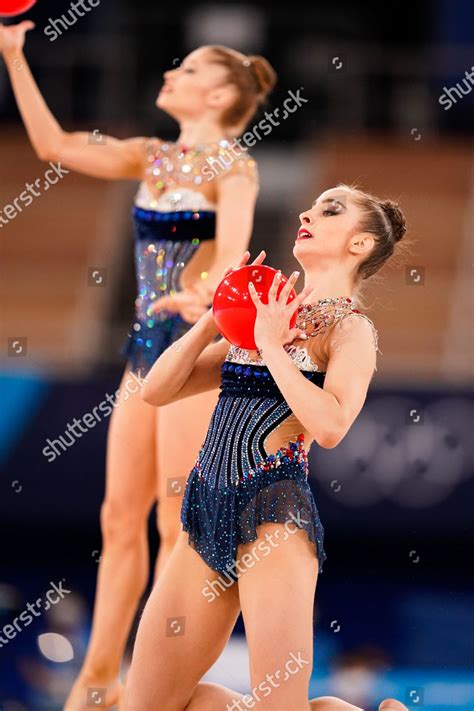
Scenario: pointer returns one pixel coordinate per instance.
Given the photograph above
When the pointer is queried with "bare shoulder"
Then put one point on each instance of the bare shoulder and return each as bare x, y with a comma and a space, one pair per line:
353, 336
139, 144
359, 327
238, 164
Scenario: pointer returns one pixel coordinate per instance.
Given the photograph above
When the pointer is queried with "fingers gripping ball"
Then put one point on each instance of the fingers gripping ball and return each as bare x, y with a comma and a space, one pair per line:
233, 309
12, 8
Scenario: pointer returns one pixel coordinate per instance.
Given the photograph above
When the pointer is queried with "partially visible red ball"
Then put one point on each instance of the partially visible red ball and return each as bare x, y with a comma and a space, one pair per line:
233, 309
12, 8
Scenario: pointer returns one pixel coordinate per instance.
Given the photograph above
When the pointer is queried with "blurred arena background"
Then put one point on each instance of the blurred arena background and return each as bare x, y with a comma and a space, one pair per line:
394, 607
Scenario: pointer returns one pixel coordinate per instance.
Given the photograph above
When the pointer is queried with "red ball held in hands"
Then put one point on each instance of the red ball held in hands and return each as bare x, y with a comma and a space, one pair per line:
233, 309
12, 8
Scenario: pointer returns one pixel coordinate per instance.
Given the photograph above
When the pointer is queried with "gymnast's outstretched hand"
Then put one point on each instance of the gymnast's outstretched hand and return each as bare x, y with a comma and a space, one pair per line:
12, 38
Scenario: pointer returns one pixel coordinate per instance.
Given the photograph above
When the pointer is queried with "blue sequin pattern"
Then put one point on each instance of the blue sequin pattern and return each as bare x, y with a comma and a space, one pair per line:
164, 245
235, 485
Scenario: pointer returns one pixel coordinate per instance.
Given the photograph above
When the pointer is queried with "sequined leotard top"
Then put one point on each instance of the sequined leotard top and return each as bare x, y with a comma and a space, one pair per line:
172, 217
239, 481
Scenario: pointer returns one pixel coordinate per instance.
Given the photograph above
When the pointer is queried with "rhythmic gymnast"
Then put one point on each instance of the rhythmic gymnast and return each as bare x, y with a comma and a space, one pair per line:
252, 539
193, 215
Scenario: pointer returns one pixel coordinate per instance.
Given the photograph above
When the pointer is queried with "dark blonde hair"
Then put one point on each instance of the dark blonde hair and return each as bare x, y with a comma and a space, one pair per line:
383, 219
254, 78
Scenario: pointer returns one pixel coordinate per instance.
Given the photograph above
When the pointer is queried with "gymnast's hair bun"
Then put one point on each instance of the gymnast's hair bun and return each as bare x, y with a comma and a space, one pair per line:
265, 75
395, 217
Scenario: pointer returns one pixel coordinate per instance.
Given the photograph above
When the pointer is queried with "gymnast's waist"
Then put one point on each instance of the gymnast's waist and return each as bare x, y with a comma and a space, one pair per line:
176, 226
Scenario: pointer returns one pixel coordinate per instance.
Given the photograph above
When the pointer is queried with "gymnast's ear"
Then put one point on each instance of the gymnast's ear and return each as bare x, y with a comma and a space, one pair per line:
222, 97
361, 243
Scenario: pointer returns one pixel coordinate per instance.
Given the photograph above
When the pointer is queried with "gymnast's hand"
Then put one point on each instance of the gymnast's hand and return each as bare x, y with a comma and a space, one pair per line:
12, 38
186, 302
272, 325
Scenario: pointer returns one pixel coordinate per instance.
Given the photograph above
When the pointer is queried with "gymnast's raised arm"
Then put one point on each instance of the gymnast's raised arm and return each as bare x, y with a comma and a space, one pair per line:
110, 158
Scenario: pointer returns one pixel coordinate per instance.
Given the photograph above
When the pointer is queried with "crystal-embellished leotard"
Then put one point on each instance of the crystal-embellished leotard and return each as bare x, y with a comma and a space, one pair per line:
236, 484
172, 218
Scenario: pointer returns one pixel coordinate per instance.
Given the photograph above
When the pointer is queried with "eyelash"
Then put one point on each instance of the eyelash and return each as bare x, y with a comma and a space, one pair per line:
329, 212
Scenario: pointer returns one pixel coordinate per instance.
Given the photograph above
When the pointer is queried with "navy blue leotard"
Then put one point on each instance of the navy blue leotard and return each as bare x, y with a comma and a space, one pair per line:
235, 484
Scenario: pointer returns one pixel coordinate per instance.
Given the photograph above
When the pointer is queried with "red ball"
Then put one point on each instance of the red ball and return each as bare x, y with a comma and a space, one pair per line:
12, 8
233, 309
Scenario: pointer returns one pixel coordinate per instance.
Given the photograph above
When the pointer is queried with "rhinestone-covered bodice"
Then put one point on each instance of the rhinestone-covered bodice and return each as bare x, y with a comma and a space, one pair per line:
250, 407
172, 166
164, 245
179, 199
173, 215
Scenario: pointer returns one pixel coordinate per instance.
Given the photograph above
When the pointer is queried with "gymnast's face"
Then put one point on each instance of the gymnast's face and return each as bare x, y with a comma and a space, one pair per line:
197, 86
330, 230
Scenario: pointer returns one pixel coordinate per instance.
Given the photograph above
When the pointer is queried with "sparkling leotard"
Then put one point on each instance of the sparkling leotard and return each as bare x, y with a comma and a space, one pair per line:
169, 228
236, 484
